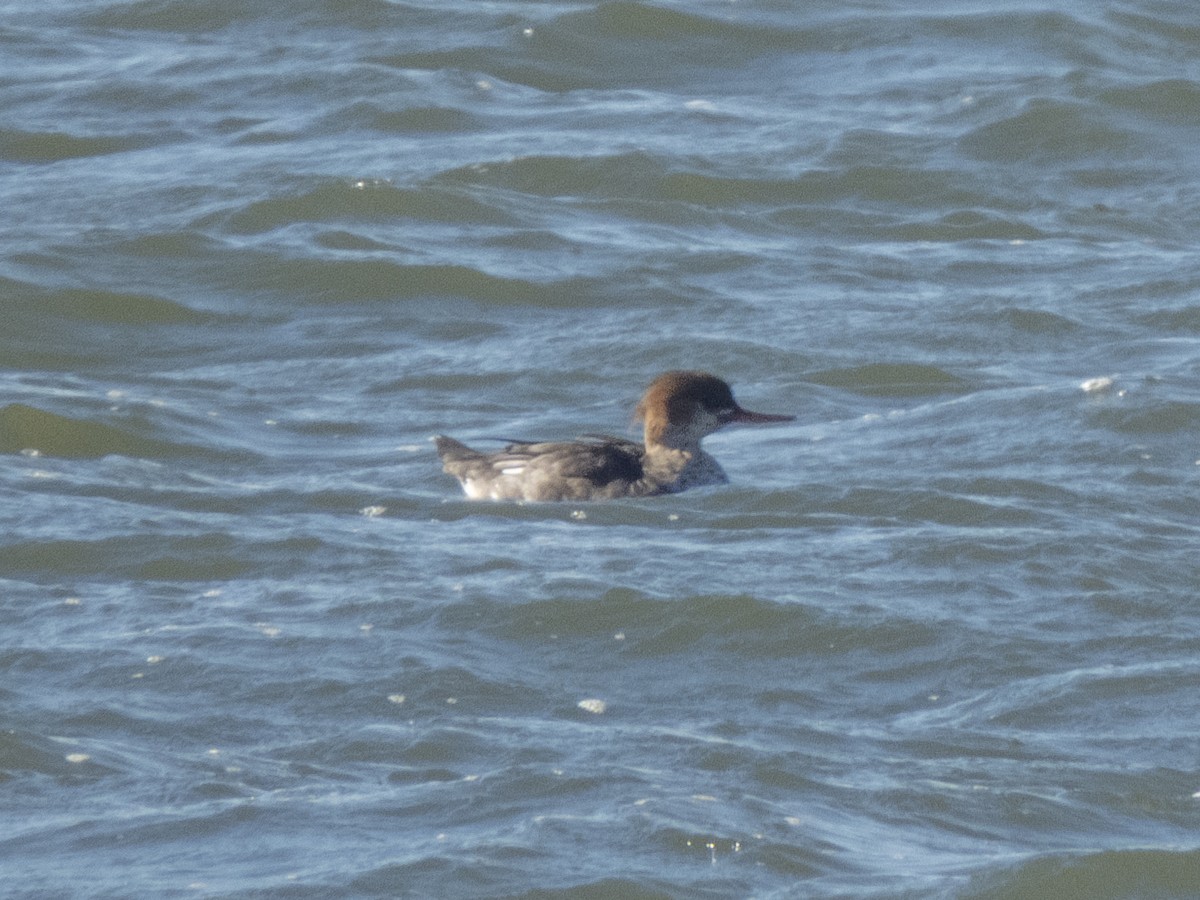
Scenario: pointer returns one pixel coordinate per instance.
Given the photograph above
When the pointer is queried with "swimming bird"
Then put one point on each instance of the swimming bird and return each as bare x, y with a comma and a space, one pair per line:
677, 411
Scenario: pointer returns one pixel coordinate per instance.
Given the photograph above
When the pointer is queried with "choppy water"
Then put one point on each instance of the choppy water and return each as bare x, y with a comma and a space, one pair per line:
939, 638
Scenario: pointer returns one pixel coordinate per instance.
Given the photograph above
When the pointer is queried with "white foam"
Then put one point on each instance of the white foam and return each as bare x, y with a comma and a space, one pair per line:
1096, 385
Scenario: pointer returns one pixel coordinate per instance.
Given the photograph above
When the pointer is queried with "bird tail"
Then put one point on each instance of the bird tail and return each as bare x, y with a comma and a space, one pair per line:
452, 451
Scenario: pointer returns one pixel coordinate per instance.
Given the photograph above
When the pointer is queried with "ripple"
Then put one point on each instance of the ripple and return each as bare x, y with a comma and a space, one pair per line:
1185, 320
964, 225
891, 380
627, 175
411, 120
1038, 321
1165, 874
28, 428
1175, 100
638, 626
361, 202
209, 557
1153, 418
1050, 131
52, 147
91, 305
171, 15
24, 753
617, 44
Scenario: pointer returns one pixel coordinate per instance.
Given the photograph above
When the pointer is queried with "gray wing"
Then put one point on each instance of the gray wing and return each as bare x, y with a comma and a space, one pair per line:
599, 460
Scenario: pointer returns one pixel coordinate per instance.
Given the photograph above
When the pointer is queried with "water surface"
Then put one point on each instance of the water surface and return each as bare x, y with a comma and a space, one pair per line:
938, 637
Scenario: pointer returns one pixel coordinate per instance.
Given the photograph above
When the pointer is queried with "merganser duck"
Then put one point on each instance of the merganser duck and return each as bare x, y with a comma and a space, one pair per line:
678, 410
